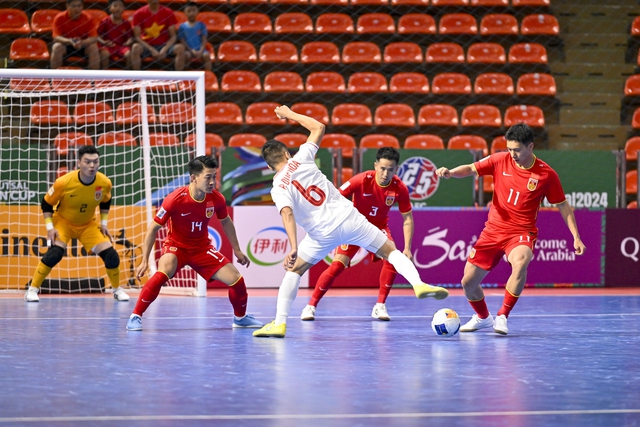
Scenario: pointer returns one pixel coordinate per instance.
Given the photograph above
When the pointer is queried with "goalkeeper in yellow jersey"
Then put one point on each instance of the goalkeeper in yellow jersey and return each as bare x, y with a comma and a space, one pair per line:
75, 197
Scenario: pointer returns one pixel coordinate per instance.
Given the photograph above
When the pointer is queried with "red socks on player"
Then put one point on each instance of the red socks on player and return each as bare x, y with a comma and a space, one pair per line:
507, 303
150, 292
325, 281
480, 307
238, 297
387, 277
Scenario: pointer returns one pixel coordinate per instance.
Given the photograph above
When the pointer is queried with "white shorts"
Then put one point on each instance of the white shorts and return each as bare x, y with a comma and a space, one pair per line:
355, 230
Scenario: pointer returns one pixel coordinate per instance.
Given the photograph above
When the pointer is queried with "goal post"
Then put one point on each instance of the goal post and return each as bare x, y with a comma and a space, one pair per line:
146, 125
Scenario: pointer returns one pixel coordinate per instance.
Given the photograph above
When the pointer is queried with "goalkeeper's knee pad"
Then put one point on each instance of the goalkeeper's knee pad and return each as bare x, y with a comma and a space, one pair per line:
110, 257
53, 256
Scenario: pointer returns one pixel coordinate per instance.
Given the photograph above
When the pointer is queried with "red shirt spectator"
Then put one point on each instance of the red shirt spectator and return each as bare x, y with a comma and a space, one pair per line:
155, 26
79, 28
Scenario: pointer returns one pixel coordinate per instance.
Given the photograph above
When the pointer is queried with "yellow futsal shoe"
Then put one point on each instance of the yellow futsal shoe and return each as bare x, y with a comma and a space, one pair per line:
426, 291
272, 330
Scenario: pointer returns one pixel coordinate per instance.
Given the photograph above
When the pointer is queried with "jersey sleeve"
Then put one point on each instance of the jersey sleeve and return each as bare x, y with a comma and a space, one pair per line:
281, 198
307, 152
54, 195
404, 202
181, 32
164, 213
555, 193
57, 24
485, 166
348, 188
103, 27
171, 18
106, 194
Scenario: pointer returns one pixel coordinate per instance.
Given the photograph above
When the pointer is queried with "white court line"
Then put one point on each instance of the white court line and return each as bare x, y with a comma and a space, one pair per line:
319, 416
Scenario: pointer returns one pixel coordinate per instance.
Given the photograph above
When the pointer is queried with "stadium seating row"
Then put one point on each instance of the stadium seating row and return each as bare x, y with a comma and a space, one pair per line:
435, 3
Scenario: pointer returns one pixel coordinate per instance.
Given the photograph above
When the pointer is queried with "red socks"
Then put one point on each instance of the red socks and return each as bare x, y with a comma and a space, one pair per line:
387, 277
238, 297
480, 308
150, 292
325, 281
507, 303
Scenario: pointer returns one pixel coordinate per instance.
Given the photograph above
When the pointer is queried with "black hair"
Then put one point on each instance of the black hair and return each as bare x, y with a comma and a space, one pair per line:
273, 151
197, 165
388, 153
191, 4
520, 132
87, 149
71, 1
113, 1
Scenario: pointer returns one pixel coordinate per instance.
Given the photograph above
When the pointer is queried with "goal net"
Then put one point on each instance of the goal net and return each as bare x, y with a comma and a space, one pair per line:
146, 126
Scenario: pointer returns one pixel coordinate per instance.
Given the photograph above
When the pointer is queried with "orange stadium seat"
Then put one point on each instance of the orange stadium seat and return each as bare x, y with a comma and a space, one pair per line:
249, 2
351, 115
632, 85
540, 24
493, 84
241, 81
490, 3
339, 140
128, 113
499, 24
468, 142
320, 52
226, 113
211, 2
177, 112
536, 84
632, 182
283, 81
92, 112
457, 23
291, 2
481, 115
423, 142
29, 85
631, 148
498, 144
292, 140
42, 20
486, 53
441, 3
345, 174
367, 82
71, 84
334, 23
293, 23
394, 115
632, 205
530, 3
128, 15
117, 138
210, 83
261, 113
66, 141
97, 15
163, 139
329, 2
529, 114
29, 49
409, 83
525, 53
369, 2
14, 21
444, 52
278, 52
635, 121
50, 113
437, 115
247, 140
216, 22
325, 81
635, 26
312, 109
361, 52
252, 22
451, 83
410, 3
403, 52
375, 23
487, 184
379, 140
237, 51
212, 142
416, 23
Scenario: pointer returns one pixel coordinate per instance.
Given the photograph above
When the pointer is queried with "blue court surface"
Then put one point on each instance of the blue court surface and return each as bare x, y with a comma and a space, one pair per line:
569, 360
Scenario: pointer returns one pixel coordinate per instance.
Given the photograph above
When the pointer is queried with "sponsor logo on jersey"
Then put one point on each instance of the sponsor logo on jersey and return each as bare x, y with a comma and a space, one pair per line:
419, 175
161, 213
98, 194
173, 249
210, 210
472, 253
390, 199
532, 184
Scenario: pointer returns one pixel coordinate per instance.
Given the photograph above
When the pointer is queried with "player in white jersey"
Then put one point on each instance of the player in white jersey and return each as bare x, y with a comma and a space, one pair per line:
304, 195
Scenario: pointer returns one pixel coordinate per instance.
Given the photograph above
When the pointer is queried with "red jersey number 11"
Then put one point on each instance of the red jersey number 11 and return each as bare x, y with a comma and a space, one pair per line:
313, 194
515, 200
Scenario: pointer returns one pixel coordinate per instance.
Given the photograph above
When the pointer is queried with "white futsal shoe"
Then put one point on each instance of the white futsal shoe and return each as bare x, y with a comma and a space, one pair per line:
500, 326
380, 312
32, 294
120, 295
477, 323
308, 313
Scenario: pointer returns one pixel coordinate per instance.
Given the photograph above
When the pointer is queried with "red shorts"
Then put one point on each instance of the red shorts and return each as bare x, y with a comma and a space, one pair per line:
117, 52
351, 250
492, 245
205, 261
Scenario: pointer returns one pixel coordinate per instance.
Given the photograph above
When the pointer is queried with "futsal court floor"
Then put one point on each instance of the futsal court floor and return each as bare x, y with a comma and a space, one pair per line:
572, 358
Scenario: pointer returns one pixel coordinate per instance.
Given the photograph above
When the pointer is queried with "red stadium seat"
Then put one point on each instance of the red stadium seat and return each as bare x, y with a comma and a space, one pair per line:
177, 112
481, 115
441, 3
249, 2
247, 140
394, 115
290, 2
312, 109
237, 51
635, 121
468, 142
486, 53
351, 115
369, 2
458, 23
361, 52
163, 139
423, 142
278, 52
529, 114
540, 24
345, 174
423, 3
212, 142
294, 23
71, 84
29, 49
490, 3
210, 83
124, 139
129, 113
525, 53
29, 85
403, 52
14, 22
635, 26
98, 15
498, 144
416, 23
375, 23
216, 22
451, 83
320, 52
292, 140
536, 84
444, 52
632, 182
252, 22
66, 141
329, 2
325, 81
493, 84
379, 140
283, 81
42, 20
437, 115
632, 85
262, 113
50, 113
631, 205
226, 113
334, 23
241, 81
631, 148
500, 24
339, 140
367, 82
92, 112
531, 3
409, 83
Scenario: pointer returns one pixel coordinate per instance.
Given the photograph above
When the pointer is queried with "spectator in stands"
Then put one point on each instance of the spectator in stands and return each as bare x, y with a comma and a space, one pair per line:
74, 34
154, 27
193, 35
115, 35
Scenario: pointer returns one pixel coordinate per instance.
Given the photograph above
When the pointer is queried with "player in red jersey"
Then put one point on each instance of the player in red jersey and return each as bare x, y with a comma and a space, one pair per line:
187, 211
373, 193
115, 35
521, 182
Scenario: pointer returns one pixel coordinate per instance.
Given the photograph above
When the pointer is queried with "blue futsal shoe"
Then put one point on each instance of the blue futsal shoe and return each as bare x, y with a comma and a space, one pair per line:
248, 321
134, 323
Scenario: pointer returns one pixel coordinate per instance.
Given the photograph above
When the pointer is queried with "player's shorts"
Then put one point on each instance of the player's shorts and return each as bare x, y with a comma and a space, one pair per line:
206, 260
351, 250
88, 234
146, 54
492, 245
354, 230
117, 52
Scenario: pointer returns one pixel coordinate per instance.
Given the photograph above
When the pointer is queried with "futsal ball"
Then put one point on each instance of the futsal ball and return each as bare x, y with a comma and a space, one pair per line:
445, 323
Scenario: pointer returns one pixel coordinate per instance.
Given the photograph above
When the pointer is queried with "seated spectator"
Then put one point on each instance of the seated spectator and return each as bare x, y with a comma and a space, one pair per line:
193, 35
154, 27
74, 34
115, 35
